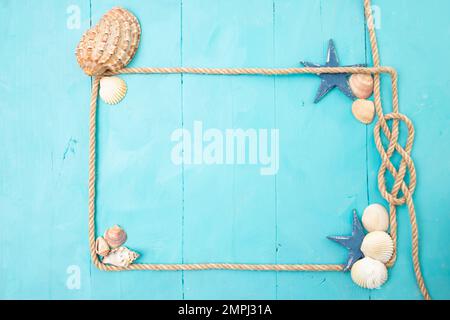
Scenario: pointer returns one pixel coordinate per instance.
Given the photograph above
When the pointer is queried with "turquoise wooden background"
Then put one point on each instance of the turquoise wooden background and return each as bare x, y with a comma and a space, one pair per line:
328, 162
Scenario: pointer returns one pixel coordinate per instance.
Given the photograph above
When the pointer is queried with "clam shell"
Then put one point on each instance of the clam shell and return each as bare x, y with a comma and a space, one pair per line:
369, 273
364, 110
361, 85
378, 245
120, 257
115, 236
375, 218
112, 89
101, 247
110, 44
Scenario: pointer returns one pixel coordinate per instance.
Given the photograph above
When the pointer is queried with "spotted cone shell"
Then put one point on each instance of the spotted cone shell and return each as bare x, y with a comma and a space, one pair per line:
111, 44
120, 257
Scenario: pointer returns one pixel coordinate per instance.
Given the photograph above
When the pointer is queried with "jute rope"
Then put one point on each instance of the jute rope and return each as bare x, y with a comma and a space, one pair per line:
387, 167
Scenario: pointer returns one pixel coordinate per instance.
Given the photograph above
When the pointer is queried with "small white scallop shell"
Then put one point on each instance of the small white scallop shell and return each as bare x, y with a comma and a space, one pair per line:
375, 218
369, 273
364, 110
112, 89
361, 85
121, 257
101, 247
378, 245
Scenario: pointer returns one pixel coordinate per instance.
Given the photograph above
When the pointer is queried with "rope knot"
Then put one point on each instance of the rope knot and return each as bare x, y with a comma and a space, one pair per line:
406, 165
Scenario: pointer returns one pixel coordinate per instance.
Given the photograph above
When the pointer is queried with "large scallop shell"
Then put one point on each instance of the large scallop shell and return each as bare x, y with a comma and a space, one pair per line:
115, 236
375, 218
361, 85
378, 245
369, 273
112, 89
121, 257
110, 44
101, 247
364, 110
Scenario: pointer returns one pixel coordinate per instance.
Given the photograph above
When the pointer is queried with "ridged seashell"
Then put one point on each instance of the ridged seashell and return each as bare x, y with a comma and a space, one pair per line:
369, 273
375, 218
112, 89
121, 257
101, 247
364, 110
110, 44
378, 245
115, 236
361, 85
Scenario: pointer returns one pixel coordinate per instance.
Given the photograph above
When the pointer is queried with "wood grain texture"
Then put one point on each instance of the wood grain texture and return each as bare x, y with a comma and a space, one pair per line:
219, 213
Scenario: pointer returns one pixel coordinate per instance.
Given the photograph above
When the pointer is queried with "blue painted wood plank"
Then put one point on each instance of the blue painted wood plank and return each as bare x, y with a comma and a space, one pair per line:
420, 40
323, 163
43, 112
224, 213
229, 211
139, 187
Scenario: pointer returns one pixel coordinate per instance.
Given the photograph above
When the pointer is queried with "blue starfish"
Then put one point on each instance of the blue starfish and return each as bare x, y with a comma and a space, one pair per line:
353, 242
331, 81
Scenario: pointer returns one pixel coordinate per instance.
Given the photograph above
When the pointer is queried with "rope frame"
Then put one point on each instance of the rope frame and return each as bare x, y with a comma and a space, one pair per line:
387, 167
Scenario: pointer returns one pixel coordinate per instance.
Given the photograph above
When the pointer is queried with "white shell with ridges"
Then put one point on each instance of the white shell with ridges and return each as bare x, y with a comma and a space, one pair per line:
120, 257
369, 273
112, 89
378, 245
375, 218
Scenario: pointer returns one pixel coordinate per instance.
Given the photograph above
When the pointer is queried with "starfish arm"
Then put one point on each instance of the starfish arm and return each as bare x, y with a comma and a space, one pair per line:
357, 226
349, 264
332, 57
343, 241
357, 66
325, 87
344, 87
310, 64
352, 243
352, 258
